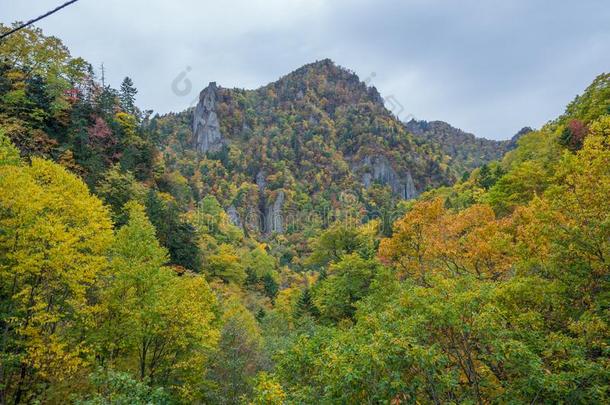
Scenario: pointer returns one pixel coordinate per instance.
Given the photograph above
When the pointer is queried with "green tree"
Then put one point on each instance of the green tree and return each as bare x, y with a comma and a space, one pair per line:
32, 55
117, 188
225, 265
174, 231
239, 354
305, 305
9, 154
348, 281
342, 239
155, 323
270, 286
118, 388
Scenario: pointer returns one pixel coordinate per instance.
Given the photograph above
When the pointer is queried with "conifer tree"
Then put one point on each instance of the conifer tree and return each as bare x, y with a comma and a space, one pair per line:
127, 95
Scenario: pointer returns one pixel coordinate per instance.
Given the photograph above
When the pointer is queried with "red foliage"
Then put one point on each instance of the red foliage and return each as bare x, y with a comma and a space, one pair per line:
103, 140
578, 131
72, 95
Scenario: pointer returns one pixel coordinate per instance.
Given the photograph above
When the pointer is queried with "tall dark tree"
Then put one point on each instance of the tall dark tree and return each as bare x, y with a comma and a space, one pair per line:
306, 306
177, 235
127, 95
270, 285
106, 101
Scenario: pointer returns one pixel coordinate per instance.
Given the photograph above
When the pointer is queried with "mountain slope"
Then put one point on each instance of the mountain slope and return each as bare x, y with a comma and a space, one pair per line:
467, 151
318, 139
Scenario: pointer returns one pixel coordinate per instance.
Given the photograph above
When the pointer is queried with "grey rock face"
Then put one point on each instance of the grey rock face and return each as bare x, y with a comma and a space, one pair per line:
523, 131
274, 222
379, 169
270, 213
261, 181
206, 128
410, 191
234, 216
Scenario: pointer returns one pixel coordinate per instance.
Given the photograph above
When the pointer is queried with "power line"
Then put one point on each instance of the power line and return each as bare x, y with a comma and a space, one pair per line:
66, 4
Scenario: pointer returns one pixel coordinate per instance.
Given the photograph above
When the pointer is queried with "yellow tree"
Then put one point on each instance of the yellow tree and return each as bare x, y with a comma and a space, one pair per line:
430, 239
52, 249
267, 391
476, 243
410, 248
566, 232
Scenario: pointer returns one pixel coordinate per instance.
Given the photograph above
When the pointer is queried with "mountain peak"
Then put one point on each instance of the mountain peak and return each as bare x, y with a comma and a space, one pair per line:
326, 79
326, 62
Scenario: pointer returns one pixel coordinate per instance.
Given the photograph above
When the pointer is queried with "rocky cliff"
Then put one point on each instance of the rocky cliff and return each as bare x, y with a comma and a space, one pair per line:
379, 169
206, 128
274, 219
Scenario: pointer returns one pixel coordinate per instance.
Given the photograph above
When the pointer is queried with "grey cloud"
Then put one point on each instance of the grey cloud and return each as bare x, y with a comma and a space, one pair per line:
488, 67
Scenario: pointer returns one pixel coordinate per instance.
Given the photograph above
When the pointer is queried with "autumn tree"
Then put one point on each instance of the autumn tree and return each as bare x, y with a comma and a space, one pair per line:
410, 247
155, 324
268, 391
52, 250
431, 239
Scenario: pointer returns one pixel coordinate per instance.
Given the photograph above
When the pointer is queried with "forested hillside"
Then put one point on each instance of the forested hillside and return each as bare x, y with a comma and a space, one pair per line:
314, 145
467, 152
291, 244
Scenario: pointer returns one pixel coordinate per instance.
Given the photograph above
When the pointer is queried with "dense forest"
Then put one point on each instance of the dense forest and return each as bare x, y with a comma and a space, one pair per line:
296, 243
467, 152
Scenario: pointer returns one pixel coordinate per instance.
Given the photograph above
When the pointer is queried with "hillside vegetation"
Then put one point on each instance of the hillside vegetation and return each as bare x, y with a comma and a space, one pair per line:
154, 259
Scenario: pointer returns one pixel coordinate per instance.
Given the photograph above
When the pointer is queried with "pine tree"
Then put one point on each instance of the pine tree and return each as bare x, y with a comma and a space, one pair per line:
127, 95
270, 285
305, 305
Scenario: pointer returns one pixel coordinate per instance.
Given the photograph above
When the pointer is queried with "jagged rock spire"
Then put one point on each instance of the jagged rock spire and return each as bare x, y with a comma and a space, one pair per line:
206, 128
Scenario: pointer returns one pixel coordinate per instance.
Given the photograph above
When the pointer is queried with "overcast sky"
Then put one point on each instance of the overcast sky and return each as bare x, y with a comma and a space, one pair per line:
488, 67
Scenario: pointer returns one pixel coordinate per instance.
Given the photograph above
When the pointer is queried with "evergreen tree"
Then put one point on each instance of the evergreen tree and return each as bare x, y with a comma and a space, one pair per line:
127, 95
106, 101
305, 305
270, 285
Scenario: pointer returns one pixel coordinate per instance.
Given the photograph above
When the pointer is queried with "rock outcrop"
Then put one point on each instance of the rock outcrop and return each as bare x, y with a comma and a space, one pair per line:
271, 219
274, 221
234, 216
261, 181
379, 169
206, 128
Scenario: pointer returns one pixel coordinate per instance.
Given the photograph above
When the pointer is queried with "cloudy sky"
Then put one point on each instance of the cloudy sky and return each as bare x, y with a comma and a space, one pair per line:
489, 67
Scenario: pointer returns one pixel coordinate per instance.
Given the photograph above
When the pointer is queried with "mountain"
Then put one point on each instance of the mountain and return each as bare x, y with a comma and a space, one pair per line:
123, 280
317, 140
466, 150
282, 161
